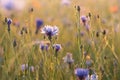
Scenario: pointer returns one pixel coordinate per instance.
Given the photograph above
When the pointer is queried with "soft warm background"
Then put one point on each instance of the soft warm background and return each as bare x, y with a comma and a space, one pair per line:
103, 50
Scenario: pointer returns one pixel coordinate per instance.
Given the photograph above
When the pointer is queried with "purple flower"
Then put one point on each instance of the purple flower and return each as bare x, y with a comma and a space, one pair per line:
50, 31
24, 67
44, 46
81, 73
9, 21
39, 23
84, 19
94, 77
9, 5
57, 47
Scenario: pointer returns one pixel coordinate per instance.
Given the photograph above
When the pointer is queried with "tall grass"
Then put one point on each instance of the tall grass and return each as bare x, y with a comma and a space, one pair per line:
100, 44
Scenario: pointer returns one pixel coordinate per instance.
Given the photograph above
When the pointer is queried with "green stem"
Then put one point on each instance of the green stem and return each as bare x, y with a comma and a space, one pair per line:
79, 37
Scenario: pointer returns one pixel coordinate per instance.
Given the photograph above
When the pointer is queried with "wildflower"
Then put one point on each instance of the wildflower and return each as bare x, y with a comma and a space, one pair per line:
9, 5
88, 77
16, 5
50, 31
65, 2
94, 77
57, 47
24, 67
9, 21
68, 58
39, 23
44, 45
81, 73
84, 19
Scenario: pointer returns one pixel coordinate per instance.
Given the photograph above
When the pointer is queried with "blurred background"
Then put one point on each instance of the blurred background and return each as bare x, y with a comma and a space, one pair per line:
101, 36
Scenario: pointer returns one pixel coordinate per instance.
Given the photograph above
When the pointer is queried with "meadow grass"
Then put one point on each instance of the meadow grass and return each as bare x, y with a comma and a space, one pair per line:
99, 43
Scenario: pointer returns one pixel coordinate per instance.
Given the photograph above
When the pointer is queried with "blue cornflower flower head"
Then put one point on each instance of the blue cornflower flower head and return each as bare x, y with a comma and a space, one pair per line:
44, 45
81, 73
9, 21
57, 47
84, 19
39, 23
50, 31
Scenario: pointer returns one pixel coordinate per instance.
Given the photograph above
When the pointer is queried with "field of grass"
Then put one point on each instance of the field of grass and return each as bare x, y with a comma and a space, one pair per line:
87, 37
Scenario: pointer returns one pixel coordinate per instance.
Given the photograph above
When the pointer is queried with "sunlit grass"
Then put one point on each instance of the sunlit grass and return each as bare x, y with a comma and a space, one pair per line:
100, 44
